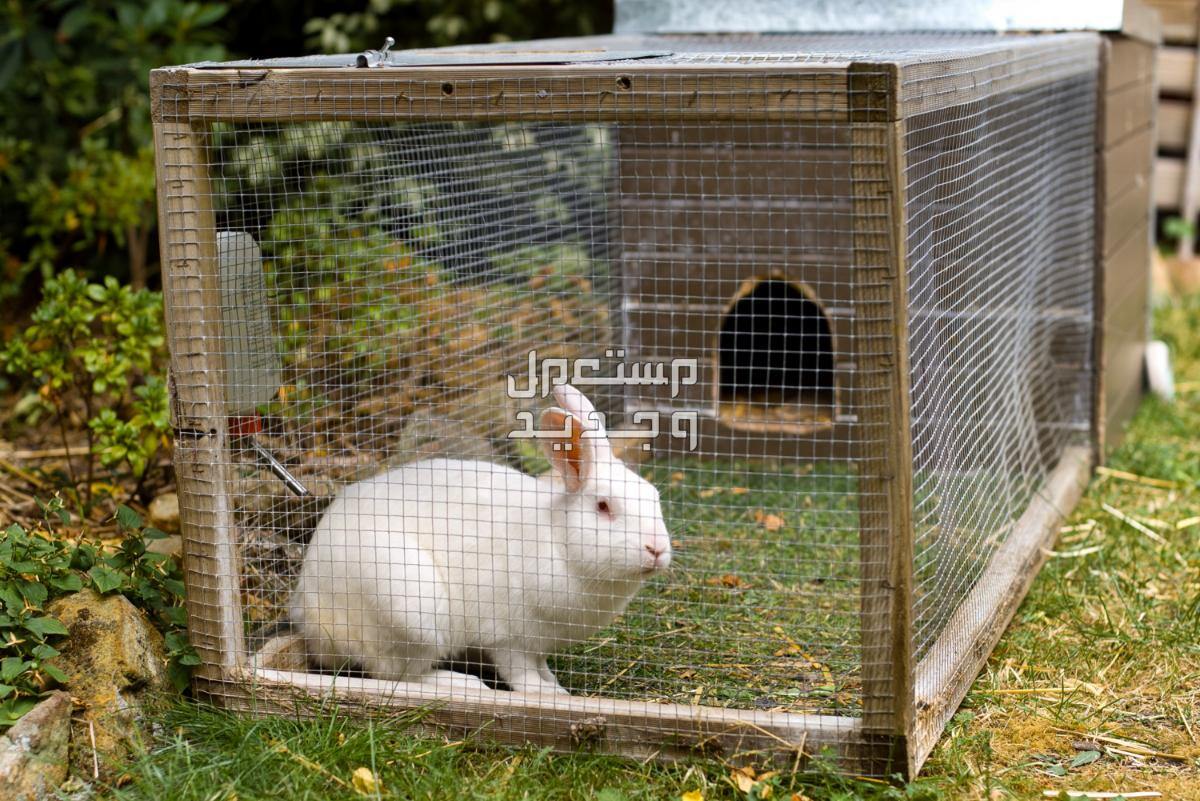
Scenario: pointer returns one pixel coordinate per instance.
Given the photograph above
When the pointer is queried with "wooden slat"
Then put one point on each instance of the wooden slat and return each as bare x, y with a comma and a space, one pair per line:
1176, 66
192, 301
1168, 182
885, 477
729, 227
1125, 213
1127, 163
1174, 122
1190, 201
1127, 287
691, 279
817, 176
1178, 19
1129, 61
595, 92
1128, 109
956, 657
563, 723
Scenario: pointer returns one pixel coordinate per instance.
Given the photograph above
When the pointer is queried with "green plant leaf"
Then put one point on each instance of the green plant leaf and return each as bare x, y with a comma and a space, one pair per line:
1084, 758
180, 675
11, 667
68, 582
14, 708
105, 579
190, 659
44, 651
127, 518
35, 593
55, 673
45, 626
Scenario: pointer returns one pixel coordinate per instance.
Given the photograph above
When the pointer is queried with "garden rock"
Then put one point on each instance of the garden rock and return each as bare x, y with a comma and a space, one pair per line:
171, 545
164, 512
115, 661
33, 753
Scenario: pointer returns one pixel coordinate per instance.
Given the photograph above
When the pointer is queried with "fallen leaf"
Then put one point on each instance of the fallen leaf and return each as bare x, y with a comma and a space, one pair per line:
364, 781
727, 580
708, 493
676, 478
768, 521
738, 490
692, 795
743, 782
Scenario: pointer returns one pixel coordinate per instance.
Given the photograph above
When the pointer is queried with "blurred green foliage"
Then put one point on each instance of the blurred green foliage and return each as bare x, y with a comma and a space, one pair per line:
448, 22
76, 161
90, 353
76, 166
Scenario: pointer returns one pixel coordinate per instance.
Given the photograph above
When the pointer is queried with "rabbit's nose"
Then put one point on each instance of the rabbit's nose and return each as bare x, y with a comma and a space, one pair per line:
655, 552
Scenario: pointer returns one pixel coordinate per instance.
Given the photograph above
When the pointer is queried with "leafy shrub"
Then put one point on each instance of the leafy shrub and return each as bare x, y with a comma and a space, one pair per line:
91, 348
75, 160
106, 202
40, 566
335, 28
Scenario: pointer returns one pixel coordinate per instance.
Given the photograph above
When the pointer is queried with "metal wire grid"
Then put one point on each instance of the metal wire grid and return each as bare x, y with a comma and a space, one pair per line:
1000, 203
407, 268
411, 267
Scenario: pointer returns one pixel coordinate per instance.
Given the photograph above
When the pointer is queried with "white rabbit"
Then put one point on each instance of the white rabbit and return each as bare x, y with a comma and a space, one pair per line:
436, 557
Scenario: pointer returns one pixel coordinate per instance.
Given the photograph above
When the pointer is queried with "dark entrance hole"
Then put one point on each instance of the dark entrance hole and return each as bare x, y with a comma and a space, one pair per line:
775, 356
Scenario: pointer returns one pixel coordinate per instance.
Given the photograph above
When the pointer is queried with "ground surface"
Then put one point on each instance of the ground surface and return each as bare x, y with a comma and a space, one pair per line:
1096, 686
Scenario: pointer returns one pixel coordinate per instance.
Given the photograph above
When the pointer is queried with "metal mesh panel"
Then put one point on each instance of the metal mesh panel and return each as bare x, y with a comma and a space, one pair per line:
378, 284
410, 269
1001, 195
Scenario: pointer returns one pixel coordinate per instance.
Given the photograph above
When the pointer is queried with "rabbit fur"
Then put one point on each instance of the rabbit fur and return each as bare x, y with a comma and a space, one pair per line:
420, 563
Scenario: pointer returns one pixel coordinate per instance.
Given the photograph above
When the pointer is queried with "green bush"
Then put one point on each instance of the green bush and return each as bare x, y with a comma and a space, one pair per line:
91, 350
42, 565
432, 23
76, 168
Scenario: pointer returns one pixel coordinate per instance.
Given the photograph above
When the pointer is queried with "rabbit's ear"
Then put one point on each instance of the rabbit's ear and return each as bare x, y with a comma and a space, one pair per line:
570, 453
578, 405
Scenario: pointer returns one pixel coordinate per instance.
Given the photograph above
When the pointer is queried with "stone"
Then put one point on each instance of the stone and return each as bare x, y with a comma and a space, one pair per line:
33, 752
115, 661
171, 545
164, 512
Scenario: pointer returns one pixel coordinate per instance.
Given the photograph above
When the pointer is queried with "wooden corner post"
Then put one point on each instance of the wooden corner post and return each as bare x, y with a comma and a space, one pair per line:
192, 300
885, 446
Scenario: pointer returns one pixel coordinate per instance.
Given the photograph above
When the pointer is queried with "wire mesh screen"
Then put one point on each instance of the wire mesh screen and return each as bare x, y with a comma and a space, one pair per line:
417, 274
1001, 198
586, 385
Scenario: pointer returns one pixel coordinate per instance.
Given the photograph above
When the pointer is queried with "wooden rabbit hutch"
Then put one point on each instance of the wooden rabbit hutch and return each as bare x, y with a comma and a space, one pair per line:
877, 251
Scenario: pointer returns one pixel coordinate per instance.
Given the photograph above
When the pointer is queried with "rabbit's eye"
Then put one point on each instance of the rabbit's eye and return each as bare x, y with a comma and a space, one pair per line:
603, 508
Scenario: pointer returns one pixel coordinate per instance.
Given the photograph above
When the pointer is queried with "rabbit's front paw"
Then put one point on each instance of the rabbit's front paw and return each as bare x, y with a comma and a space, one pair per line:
525, 673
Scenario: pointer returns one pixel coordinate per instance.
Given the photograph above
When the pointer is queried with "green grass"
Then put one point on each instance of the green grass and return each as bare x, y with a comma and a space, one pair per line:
1105, 648
1108, 641
726, 619
207, 755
